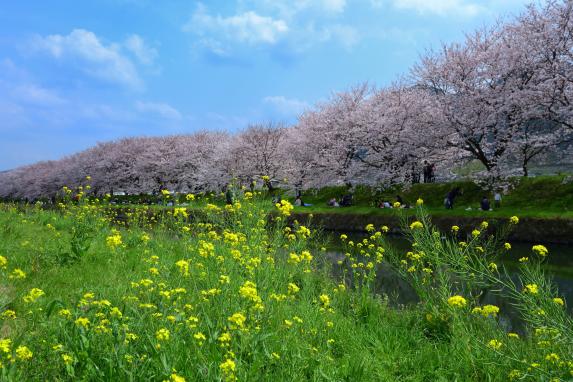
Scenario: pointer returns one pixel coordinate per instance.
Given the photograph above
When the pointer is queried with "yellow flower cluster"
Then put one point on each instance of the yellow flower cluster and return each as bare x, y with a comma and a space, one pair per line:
284, 207
162, 334
180, 211
486, 310
114, 240
237, 321
416, 225
540, 250
494, 344
33, 295
457, 301
249, 292
228, 369
531, 288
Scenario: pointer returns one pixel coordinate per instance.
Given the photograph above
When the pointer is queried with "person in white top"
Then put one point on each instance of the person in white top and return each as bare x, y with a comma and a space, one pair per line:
497, 199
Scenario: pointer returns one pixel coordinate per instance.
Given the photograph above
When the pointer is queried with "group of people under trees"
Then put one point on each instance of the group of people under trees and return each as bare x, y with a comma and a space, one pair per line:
449, 199
429, 172
347, 199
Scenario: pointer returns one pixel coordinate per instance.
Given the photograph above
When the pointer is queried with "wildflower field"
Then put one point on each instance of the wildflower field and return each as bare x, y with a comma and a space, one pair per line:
233, 294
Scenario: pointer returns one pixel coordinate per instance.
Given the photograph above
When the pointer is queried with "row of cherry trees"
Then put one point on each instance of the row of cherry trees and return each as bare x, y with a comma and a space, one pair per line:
502, 97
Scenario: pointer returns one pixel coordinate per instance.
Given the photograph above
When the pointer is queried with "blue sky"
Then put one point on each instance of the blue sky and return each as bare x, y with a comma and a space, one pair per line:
74, 73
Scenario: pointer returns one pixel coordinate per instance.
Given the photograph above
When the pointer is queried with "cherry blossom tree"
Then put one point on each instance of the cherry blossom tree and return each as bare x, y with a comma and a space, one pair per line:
396, 132
258, 151
326, 141
502, 97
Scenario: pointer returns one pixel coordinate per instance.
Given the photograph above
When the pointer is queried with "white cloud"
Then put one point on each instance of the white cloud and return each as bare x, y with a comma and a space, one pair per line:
144, 53
247, 27
439, 7
290, 8
86, 50
294, 25
37, 95
348, 36
335, 6
163, 109
286, 106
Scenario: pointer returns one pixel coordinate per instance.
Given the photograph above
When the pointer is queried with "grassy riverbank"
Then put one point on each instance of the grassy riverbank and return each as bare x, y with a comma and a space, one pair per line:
540, 197
544, 197
236, 297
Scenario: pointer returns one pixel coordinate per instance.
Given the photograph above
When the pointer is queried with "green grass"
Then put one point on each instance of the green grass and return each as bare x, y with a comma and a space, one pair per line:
353, 335
542, 197
369, 340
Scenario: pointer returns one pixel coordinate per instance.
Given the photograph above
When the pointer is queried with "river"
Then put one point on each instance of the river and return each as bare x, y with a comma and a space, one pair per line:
558, 265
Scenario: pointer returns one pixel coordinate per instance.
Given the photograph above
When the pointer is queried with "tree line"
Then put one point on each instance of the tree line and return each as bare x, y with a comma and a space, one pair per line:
502, 97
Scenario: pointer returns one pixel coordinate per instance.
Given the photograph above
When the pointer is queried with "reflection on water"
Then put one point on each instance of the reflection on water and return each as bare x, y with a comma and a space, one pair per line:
559, 266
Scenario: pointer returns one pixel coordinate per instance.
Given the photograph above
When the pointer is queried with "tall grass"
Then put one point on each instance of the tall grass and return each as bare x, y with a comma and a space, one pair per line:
234, 294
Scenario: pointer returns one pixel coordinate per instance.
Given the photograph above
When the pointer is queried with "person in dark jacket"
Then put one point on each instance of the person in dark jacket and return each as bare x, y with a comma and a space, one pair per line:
484, 204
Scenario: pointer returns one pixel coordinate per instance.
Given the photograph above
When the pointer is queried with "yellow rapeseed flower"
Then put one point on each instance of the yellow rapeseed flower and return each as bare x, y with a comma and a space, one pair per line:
17, 274
558, 301
5, 345
23, 353
293, 288
225, 338
486, 310
176, 378
200, 338
68, 359
228, 367
82, 322
162, 334
552, 357
457, 301
237, 321
531, 288
284, 207
8, 314
416, 225
541, 250
65, 313
33, 295
325, 300
494, 344
114, 240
